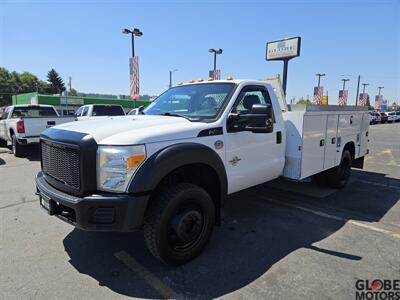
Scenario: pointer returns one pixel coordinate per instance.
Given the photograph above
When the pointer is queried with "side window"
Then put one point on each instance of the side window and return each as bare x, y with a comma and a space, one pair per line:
249, 96
85, 111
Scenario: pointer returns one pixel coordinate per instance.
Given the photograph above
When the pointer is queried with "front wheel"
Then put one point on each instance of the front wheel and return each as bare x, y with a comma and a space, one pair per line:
179, 223
338, 177
17, 149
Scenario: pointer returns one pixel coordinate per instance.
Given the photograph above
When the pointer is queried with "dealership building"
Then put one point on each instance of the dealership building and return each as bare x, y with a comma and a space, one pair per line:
72, 103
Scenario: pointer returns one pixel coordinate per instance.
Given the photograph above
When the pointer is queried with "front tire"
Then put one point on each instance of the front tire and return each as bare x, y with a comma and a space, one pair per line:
338, 177
17, 149
179, 223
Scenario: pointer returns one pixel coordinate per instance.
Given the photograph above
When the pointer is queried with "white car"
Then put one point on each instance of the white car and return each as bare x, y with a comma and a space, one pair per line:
391, 116
91, 111
394, 116
170, 169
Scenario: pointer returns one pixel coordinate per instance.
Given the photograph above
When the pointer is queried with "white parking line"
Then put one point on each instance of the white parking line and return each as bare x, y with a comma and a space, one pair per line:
151, 279
337, 218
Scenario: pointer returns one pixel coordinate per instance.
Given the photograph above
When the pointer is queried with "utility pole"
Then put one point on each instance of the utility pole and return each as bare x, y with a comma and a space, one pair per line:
170, 77
379, 90
358, 88
69, 83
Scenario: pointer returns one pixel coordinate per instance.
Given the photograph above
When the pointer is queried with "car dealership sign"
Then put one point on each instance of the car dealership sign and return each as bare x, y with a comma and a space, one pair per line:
283, 49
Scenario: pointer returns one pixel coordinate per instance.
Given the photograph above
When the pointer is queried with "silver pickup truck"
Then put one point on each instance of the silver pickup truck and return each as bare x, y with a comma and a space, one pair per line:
21, 125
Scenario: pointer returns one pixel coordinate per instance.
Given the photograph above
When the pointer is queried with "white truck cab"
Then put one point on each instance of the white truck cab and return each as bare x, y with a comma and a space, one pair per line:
90, 111
171, 167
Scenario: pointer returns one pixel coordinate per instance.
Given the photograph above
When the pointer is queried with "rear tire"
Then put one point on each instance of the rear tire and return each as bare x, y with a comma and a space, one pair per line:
17, 149
338, 177
178, 223
320, 178
3, 143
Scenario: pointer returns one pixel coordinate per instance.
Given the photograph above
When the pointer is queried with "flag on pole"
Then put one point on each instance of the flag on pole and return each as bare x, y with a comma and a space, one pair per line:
134, 71
216, 75
318, 93
343, 97
363, 100
378, 101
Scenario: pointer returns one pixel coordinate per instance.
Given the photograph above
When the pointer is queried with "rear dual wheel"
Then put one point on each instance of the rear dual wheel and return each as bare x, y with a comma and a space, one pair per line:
179, 223
336, 177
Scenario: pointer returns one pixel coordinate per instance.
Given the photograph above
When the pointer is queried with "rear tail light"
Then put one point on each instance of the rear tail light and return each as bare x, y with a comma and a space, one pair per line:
20, 127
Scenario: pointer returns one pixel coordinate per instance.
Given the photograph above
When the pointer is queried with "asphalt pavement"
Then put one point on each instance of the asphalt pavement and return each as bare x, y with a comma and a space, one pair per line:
281, 240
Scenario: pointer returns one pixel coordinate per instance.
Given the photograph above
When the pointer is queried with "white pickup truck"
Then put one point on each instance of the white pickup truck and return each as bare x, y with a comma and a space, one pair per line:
170, 169
91, 111
21, 125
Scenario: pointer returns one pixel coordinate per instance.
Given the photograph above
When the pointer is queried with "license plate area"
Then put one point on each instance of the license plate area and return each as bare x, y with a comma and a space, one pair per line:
49, 205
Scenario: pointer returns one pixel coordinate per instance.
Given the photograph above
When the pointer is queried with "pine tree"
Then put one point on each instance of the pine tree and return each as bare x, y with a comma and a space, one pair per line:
56, 84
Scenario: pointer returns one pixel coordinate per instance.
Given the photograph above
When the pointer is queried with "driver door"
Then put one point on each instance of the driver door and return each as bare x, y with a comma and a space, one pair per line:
252, 158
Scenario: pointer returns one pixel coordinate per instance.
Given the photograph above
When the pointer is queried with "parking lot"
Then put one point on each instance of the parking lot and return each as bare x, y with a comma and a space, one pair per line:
278, 240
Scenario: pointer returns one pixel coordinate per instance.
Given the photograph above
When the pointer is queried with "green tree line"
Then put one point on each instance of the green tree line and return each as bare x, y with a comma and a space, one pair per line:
12, 83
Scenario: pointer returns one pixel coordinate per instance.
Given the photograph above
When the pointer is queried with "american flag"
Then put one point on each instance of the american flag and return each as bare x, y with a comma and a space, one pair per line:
343, 97
134, 71
378, 101
363, 99
216, 75
318, 93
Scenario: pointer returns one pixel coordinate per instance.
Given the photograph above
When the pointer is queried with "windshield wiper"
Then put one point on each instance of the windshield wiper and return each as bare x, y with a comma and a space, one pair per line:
176, 115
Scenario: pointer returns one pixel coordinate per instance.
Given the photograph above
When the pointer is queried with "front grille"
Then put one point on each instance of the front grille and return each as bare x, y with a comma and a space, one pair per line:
61, 162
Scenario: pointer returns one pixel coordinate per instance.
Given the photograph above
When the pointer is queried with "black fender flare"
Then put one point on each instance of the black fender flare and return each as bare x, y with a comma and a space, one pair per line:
163, 162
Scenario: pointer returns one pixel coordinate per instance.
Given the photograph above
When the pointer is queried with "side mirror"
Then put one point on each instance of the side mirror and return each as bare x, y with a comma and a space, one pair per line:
260, 120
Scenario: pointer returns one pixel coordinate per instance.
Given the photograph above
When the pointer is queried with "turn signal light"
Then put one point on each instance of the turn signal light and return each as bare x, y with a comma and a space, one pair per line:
20, 127
135, 160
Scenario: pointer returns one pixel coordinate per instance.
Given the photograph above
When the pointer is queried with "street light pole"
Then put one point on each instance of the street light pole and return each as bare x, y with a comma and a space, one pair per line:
379, 90
215, 51
364, 85
319, 78
358, 88
344, 82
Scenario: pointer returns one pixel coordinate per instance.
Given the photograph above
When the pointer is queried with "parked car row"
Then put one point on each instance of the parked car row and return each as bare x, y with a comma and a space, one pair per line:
383, 117
21, 125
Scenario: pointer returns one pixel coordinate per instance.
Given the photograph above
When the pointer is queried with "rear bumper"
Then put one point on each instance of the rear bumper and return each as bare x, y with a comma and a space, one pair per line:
98, 212
28, 140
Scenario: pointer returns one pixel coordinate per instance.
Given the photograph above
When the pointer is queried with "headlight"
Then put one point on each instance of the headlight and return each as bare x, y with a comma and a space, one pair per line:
116, 165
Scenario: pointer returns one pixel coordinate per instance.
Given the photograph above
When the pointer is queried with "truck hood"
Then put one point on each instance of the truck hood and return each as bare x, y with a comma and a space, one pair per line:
136, 129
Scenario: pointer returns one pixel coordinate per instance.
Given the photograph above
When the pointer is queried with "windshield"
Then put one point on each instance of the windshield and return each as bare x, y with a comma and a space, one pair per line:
33, 111
196, 102
107, 110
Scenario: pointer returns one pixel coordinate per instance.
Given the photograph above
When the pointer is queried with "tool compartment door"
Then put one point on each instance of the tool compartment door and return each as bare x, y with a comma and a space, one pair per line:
364, 135
330, 141
313, 150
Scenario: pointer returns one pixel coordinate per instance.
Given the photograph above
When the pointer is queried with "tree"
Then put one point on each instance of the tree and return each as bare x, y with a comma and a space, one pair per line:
12, 83
304, 101
56, 84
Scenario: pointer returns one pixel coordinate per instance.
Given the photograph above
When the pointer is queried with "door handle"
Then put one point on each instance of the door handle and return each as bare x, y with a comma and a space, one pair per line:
333, 141
279, 137
322, 143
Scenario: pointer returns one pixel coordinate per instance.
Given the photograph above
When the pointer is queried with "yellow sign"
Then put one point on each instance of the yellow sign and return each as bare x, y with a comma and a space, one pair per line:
324, 100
